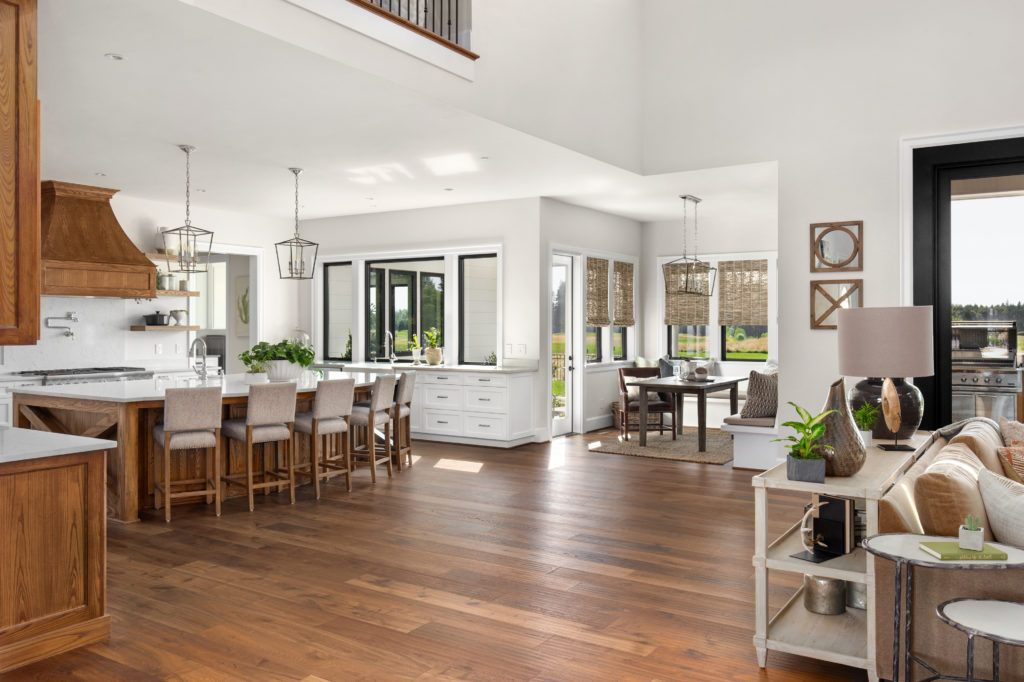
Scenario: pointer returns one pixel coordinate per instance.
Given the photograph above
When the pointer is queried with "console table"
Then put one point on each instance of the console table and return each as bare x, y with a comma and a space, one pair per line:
848, 638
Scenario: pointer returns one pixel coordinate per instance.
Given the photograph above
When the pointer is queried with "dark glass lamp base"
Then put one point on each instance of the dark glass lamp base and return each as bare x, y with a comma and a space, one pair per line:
895, 447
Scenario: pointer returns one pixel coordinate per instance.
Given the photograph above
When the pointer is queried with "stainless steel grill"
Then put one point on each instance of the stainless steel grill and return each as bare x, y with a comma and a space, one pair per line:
986, 380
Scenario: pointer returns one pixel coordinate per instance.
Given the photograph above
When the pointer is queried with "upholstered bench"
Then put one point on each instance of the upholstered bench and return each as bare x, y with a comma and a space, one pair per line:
752, 446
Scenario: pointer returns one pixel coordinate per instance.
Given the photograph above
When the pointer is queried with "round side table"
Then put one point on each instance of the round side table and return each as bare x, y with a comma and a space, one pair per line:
1001, 622
904, 550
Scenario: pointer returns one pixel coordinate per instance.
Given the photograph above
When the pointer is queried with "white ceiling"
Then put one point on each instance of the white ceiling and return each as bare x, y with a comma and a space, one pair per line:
253, 106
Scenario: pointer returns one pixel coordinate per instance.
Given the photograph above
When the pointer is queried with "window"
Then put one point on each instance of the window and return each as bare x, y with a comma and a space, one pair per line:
403, 297
478, 308
619, 349
688, 341
745, 343
338, 322
401, 310
593, 351
431, 303
375, 313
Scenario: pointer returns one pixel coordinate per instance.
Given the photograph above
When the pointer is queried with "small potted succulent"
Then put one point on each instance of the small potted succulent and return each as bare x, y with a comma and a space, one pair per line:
433, 339
415, 348
972, 536
866, 415
805, 461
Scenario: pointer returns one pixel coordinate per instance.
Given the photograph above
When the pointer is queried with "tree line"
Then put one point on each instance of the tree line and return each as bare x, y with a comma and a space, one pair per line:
1002, 311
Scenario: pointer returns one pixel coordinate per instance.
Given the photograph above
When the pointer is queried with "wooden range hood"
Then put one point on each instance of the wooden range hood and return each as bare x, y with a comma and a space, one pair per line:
84, 250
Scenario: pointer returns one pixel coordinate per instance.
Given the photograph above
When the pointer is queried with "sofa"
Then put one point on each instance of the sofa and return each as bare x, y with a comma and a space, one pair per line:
933, 497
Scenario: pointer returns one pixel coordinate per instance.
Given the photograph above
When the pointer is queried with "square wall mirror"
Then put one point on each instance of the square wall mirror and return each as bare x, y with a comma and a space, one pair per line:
837, 247
829, 296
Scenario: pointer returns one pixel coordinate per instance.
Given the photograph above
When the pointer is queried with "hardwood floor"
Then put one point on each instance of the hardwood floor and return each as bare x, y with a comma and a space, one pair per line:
549, 563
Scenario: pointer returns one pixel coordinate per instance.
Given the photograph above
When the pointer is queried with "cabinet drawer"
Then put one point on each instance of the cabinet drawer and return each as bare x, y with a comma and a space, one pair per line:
440, 421
449, 378
444, 397
495, 380
486, 399
485, 426
5, 412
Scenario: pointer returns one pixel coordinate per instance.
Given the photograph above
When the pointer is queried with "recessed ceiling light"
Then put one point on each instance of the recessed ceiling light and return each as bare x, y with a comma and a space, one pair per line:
113, 56
452, 164
200, 189
100, 175
449, 189
484, 158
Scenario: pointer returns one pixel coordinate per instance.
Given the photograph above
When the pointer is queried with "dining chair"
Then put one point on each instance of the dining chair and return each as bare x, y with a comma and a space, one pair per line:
192, 420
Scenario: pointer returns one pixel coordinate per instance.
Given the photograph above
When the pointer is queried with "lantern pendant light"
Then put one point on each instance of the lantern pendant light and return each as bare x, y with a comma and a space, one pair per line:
296, 257
689, 274
186, 245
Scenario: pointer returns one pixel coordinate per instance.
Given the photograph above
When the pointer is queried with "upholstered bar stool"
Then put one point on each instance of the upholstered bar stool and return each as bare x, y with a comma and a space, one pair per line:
191, 421
328, 421
269, 418
370, 417
401, 415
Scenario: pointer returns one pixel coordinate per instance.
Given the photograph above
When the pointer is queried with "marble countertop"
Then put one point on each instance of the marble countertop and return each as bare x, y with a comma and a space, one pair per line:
21, 444
145, 390
378, 367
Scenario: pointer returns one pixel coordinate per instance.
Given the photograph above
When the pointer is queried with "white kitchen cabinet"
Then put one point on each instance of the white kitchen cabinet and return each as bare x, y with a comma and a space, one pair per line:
6, 401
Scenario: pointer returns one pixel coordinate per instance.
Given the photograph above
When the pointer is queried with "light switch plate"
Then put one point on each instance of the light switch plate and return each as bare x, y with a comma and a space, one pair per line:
158, 349
508, 349
521, 350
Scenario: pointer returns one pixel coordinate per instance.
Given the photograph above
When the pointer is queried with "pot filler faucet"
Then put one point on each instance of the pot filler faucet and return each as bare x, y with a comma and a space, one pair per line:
199, 367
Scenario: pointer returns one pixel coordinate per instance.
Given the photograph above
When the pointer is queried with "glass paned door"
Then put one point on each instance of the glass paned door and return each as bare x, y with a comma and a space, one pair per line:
561, 345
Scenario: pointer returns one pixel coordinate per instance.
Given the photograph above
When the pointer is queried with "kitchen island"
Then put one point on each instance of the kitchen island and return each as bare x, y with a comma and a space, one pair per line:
126, 412
53, 544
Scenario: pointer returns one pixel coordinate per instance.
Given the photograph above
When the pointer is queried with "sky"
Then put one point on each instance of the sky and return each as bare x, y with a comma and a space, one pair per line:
988, 250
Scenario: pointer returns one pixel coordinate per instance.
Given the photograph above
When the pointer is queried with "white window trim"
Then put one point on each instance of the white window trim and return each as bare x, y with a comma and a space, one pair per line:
451, 303
715, 329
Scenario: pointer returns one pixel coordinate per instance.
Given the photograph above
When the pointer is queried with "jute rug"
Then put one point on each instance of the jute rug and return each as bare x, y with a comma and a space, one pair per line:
661, 446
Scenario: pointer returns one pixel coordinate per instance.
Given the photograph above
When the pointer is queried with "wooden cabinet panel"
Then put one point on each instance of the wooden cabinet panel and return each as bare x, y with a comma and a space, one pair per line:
19, 174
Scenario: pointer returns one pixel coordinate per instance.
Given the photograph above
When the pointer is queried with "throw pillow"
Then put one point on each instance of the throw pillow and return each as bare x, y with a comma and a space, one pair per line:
641, 361
947, 492
984, 441
762, 395
1012, 431
633, 393
1012, 459
1004, 503
666, 366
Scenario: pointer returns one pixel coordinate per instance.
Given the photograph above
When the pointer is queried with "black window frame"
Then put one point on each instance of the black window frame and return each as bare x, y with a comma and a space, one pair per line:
598, 344
462, 308
381, 286
672, 344
419, 320
414, 284
625, 342
327, 310
372, 265
725, 357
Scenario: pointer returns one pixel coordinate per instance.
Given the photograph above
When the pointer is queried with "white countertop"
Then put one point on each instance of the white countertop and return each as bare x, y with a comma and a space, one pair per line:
378, 367
21, 444
144, 390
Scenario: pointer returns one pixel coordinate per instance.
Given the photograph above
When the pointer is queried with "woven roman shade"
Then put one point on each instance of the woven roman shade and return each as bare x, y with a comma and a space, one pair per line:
743, 293
682, 308
597, 292
622, 284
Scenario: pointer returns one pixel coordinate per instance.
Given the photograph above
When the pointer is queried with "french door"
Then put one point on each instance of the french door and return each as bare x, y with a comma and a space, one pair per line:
562, 344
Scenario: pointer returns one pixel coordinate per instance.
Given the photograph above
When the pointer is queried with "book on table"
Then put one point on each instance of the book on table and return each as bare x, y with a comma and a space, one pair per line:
950, 551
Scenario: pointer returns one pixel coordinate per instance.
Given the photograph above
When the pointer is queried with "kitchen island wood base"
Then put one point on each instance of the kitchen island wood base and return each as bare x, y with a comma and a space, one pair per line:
53, 536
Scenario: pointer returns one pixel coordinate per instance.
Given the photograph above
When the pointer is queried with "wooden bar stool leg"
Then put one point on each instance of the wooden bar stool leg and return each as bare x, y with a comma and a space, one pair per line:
314, 458
216, 474
167, 477
389, 444
396, 440
346, 444
371, 448
290, 448
206, 474
248, 467
153, 469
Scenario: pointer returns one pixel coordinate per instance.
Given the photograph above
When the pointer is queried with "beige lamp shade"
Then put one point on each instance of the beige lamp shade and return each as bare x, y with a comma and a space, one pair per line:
886, 342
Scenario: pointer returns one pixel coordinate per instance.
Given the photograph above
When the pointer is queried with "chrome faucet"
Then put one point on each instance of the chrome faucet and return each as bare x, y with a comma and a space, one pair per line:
390, 341
200, 369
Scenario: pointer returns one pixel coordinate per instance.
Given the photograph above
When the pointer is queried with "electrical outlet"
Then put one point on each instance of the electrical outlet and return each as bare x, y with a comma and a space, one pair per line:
158, 349
508, 350
521, 350
177, 348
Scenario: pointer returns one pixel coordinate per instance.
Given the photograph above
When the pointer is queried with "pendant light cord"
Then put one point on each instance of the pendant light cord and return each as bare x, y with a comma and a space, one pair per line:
188, 185
296, 171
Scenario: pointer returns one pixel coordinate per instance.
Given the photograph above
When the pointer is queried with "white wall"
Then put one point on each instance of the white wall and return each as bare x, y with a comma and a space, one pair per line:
102, 337
828, 92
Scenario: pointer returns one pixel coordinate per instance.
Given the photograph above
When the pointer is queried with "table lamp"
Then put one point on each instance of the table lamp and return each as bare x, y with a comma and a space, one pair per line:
887, 345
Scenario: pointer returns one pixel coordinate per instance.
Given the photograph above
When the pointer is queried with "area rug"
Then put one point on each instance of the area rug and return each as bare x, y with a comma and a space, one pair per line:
661, 446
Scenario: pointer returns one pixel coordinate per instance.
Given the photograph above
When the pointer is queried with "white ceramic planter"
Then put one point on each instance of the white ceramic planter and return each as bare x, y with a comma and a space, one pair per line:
415, 356
866, 437
433, 356
972, 539
283, 370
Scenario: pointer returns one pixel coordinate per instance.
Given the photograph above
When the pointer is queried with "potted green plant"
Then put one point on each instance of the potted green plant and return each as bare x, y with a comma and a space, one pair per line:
283, 361
972, 536
866, 415
804, 461
433, 338
415, 348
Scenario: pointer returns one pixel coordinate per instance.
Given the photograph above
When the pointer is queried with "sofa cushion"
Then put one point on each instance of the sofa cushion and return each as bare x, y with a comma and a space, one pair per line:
1012, 459
984, 441
762, 395
1004, 504
1011, 431
633, 393
896, 511
641, 361
947, 492
762, 422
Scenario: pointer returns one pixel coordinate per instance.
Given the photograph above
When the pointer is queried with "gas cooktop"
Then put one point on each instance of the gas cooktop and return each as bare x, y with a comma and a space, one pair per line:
79, 370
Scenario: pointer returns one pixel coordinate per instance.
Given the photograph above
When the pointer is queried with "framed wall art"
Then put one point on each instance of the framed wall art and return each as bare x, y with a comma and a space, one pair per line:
837, 247
828, 296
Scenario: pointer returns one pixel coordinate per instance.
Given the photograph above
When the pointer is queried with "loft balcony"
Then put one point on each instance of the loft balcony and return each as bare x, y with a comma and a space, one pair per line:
446, 22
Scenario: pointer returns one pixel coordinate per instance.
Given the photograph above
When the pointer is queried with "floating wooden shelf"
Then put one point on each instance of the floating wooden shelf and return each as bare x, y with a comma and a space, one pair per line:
163, 328
175, 292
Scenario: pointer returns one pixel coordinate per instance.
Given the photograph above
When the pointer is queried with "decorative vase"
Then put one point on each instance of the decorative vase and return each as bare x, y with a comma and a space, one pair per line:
433, 356
865, 436
972, 539
180, 317
283, 370
826, 596
807, 470
415, 356
844, 450
910, 401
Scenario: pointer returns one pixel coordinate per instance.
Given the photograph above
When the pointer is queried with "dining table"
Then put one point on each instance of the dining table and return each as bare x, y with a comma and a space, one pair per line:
680, 387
